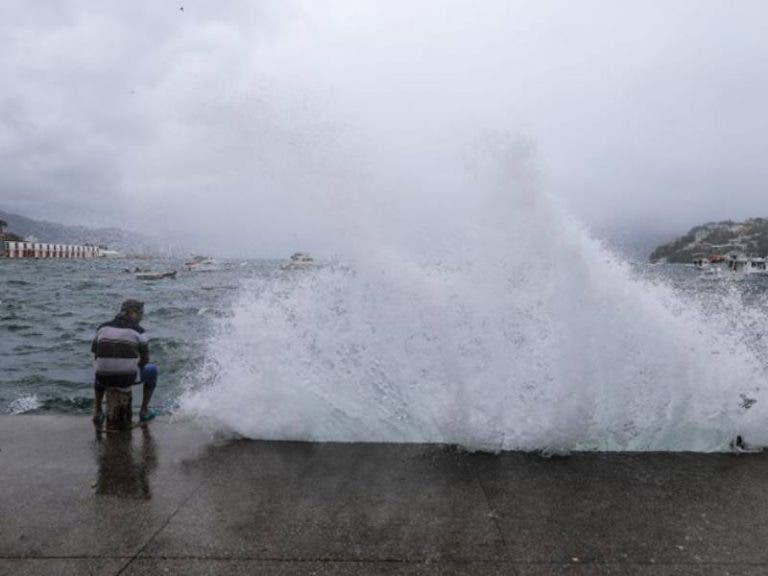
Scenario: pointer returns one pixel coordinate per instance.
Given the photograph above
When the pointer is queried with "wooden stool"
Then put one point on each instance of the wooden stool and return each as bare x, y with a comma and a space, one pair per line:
119, 408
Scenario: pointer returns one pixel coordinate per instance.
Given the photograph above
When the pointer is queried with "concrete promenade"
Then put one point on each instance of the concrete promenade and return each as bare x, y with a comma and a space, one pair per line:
169, 500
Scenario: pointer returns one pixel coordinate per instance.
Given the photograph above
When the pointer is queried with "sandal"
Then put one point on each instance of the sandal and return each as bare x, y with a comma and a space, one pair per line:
150, 415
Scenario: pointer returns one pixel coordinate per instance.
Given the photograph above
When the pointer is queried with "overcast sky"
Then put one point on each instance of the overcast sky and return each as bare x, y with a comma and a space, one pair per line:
270, 123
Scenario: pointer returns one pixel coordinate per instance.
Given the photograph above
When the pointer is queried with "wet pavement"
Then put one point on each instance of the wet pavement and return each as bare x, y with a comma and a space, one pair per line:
172, 499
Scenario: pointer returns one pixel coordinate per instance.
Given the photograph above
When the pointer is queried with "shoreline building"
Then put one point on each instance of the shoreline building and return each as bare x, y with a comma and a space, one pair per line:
23, 249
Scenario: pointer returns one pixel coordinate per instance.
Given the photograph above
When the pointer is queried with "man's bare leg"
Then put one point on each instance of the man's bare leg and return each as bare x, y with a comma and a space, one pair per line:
146, 396
149, 378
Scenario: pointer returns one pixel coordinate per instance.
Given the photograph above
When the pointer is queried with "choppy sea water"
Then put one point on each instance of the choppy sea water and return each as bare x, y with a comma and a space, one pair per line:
490, 355
49, 310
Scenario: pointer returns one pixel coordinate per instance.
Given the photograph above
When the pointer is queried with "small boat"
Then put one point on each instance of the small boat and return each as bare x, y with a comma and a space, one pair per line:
199, 262
701, 262
738, 262
155, 275
757, 265
299, 260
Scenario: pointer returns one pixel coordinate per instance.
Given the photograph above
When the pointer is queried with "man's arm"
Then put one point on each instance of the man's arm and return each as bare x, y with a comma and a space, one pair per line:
143, 351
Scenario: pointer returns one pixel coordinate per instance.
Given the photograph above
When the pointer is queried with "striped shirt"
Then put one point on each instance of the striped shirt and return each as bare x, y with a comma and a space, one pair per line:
121, 349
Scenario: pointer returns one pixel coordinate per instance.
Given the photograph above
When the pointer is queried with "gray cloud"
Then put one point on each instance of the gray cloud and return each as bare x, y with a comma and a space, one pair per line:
278, 125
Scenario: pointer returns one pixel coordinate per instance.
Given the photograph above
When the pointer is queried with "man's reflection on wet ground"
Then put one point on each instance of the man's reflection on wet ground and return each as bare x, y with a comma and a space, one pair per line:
123, 468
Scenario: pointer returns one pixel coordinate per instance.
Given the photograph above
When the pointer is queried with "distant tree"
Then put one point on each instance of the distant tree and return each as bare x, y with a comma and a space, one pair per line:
3, 226
667, 250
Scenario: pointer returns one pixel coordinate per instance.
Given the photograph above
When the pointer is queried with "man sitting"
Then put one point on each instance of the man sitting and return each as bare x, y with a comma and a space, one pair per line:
121, 350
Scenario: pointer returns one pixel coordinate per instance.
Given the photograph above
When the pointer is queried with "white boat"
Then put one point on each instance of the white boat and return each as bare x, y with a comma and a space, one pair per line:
701, 262
299, 260
199, 263
737, 262
757, 265
155, 275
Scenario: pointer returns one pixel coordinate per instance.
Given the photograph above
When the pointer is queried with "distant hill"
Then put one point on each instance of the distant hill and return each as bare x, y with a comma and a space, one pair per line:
716, 238
115, 238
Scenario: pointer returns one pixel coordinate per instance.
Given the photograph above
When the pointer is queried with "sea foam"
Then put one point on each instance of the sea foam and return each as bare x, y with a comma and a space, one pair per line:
520, 332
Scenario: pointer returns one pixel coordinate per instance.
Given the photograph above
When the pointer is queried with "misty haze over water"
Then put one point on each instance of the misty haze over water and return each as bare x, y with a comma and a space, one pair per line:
255, 129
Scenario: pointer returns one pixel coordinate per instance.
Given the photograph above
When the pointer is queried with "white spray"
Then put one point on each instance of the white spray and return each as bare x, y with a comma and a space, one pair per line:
521, 333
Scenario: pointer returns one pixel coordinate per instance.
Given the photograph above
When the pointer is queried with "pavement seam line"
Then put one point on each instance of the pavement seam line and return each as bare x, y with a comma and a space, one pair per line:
162, 527
491, 511
375, 561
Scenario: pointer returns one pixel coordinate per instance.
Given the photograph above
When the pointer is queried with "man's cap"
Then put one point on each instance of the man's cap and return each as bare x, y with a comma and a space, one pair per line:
131, 305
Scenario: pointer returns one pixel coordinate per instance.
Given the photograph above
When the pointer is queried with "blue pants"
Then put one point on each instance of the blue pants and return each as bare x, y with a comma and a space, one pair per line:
148, 378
